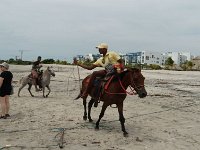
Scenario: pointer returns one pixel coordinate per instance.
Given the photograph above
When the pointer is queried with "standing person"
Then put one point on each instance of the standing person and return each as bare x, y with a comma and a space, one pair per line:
108, 58
35, 72
5, 89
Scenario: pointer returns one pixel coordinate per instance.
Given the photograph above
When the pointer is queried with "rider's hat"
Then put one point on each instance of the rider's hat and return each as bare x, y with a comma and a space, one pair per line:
102, 45
5, 65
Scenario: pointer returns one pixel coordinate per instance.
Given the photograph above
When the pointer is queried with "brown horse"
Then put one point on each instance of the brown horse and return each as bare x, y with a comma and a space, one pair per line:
115, 93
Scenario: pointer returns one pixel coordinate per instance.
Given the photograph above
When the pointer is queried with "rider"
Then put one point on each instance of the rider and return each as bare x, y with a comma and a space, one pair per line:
108, 58
35, 72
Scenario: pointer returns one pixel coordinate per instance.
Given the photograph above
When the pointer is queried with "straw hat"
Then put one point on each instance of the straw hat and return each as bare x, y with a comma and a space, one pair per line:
102, 45
5, 65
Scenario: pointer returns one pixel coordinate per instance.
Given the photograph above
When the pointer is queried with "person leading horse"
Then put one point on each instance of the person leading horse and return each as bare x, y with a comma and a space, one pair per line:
108, 58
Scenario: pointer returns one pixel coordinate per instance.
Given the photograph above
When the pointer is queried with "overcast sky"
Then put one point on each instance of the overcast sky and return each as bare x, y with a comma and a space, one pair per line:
61, 29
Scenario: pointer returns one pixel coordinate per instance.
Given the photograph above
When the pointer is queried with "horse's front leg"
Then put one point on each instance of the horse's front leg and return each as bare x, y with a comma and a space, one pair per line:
89, 109
49, 90
43, 91
85, 109
103, 109
23, 85
29, 89
121, 118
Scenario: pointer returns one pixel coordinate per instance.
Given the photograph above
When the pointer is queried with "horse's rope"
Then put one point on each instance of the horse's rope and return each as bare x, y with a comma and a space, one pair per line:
79, 78
125, 92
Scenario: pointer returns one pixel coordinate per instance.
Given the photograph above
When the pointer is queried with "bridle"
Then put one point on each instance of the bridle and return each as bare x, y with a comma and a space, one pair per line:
133, 88
51, 72
136, 88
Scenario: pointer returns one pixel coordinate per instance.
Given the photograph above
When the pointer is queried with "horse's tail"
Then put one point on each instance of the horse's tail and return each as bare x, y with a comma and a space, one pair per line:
78, 97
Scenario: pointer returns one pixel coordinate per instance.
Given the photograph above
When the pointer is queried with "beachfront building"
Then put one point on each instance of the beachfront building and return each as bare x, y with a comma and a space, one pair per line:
122, 56
92, 57
179, 57
149, 58
145, 57
132, 58
196, 63
80, 57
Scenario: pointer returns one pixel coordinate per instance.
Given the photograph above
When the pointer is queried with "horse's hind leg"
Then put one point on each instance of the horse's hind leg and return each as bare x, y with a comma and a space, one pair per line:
121, 118
49, 90
29, 89
85, 109
91, 102
101, 115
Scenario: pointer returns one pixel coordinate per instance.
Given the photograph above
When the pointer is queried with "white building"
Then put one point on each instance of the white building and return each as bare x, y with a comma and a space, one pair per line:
92, 57
187, 55
152, 58
179, 57
148, 58
89, 56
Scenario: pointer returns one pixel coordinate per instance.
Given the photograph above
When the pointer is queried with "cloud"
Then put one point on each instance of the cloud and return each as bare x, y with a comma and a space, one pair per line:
64, 28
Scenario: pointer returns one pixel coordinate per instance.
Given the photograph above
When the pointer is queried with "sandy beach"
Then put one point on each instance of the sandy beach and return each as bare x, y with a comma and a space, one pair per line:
168, 118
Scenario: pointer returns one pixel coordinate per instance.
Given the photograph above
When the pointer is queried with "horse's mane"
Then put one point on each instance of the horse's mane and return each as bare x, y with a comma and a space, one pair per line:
121, 75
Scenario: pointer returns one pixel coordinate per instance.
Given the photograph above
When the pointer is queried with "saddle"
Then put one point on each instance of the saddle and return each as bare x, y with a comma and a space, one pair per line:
100, 84
39, 79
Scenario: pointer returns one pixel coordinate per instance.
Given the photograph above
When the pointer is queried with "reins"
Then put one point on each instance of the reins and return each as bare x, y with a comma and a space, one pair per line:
132, 89
124, 90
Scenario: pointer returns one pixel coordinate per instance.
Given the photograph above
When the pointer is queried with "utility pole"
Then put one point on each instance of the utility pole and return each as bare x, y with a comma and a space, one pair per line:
21, 53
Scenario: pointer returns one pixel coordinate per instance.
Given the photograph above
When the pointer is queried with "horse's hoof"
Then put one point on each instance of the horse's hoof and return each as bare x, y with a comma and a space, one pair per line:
125, 134
46, 96
90, 120
96, 128
32, 95
85, 118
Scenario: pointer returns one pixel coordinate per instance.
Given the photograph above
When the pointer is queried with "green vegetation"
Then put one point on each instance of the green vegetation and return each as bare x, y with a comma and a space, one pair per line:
187, 65
169, 62
45, 61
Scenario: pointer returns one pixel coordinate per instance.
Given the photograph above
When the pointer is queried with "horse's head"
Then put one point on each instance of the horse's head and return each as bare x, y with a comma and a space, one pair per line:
51, 71
137, 82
